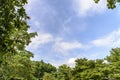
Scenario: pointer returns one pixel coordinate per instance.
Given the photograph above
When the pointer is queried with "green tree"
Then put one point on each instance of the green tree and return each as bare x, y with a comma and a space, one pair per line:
111, 4
88, 69
48, 76
64, 72
114, 64
41, 68
14, 38
19, 67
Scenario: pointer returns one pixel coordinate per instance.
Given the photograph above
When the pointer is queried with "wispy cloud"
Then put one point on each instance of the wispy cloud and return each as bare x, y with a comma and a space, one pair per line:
39, 40
110, 40
86, 7
65, 47
69, 45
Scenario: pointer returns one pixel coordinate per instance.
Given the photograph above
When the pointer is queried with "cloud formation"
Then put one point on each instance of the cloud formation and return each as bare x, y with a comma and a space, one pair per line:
71, 62
69, 45
41, 39
65, 47
86, 7
110, 40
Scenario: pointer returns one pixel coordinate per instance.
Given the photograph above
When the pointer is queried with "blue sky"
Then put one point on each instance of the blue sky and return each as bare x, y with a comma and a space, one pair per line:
71, 29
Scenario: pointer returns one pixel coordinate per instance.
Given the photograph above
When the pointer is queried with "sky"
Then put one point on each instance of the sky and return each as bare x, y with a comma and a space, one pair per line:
71, 29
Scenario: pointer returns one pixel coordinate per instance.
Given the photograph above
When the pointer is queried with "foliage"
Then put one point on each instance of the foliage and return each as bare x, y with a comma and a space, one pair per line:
19, 67
41, 68
114, 64
15, 61
64, 72
111, 4
48, 76
106, 69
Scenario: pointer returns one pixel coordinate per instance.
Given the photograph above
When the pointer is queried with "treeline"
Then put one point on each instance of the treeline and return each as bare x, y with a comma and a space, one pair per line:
99, 69
20, 67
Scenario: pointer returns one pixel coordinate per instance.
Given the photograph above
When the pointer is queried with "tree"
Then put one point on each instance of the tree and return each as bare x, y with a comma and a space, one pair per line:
88, 69
19, 67
114, 63
64, 72
48, 76
41, 68
111, 4
13, 26
14, 37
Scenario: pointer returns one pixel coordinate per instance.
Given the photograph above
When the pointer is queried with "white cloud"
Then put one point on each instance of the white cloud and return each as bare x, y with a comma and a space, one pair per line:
64, 47
111, 40
69, 45
86, 7
102, 42
39, 40
71, 62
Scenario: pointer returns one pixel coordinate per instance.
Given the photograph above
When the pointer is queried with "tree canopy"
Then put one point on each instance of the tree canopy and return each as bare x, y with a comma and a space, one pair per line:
111, 4
14, 36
